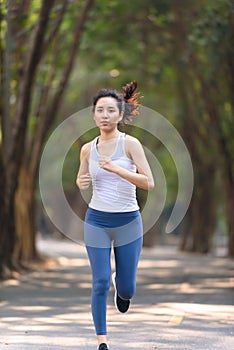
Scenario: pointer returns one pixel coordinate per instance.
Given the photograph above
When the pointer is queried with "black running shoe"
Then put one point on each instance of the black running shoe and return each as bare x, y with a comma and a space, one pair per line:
103, 346
121, 305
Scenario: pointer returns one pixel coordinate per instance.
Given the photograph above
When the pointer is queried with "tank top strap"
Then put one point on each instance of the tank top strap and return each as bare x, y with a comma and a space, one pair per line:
120, 151
93, 153
94, 142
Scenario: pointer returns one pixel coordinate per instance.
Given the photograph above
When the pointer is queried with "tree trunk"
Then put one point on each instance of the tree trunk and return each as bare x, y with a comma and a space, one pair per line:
200, 223
11, 165
7, 229
228, 185
208, 97
225, 158
204, 210
25, 247
198, 229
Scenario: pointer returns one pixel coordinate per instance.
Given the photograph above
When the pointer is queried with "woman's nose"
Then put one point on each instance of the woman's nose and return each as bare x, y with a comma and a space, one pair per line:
105, 114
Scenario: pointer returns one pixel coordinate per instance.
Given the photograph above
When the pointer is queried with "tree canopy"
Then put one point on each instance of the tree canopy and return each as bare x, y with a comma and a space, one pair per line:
55, 56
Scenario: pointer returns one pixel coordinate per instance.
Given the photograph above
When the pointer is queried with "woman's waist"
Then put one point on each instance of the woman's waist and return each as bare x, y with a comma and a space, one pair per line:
110, 219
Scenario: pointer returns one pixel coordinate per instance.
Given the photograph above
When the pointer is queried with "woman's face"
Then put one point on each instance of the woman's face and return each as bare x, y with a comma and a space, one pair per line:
107, 114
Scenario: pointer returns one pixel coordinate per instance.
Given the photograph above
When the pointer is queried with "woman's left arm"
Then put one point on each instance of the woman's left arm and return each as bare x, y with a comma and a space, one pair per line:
143, 178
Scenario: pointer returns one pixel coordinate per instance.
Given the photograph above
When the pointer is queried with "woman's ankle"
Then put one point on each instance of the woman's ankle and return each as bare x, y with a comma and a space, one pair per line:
102, 338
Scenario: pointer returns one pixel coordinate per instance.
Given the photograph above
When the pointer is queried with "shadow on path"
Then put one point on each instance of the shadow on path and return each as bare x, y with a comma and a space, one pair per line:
183, 301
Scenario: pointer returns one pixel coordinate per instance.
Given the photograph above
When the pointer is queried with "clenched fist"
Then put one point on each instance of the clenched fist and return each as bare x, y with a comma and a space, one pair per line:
83, 181
107, 164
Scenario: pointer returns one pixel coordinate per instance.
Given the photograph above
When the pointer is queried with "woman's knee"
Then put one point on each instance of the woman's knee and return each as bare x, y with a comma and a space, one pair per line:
127, 291
101, 285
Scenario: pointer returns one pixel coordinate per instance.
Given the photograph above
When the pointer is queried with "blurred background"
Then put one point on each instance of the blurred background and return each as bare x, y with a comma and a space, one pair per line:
56, 55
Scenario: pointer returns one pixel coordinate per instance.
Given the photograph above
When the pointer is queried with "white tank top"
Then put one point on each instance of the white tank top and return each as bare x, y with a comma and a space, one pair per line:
111, 193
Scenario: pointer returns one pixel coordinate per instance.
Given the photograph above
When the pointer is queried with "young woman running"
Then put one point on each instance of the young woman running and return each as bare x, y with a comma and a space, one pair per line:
115, 164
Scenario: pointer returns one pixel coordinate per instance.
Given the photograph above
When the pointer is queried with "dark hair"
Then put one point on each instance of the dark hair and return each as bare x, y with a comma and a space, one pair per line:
128, 100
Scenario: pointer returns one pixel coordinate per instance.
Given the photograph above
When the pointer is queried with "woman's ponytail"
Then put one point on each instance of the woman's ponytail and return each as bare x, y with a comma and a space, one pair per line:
130, 102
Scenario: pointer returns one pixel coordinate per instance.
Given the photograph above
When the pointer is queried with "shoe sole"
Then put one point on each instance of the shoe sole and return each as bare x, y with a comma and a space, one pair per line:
115, 296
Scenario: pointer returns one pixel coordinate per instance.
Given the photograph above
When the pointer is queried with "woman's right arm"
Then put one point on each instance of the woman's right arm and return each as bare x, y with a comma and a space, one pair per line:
83, 179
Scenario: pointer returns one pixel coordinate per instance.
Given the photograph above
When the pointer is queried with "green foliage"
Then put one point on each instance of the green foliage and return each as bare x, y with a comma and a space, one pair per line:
125, 41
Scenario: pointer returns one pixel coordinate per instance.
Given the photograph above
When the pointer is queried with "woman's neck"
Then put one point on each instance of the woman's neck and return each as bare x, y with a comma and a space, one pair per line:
104, 136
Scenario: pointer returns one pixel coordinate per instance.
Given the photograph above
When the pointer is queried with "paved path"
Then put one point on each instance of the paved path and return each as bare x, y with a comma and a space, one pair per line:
182, 301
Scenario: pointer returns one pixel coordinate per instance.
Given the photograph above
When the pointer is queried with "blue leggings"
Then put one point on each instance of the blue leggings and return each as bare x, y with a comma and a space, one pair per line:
108, 228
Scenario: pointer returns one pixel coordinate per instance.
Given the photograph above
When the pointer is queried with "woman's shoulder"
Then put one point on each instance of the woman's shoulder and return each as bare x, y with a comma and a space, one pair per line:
131, 140
85, 149
132, 145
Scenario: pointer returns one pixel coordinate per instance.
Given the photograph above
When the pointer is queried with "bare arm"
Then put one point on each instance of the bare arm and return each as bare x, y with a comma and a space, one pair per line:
83, 178
144, 178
